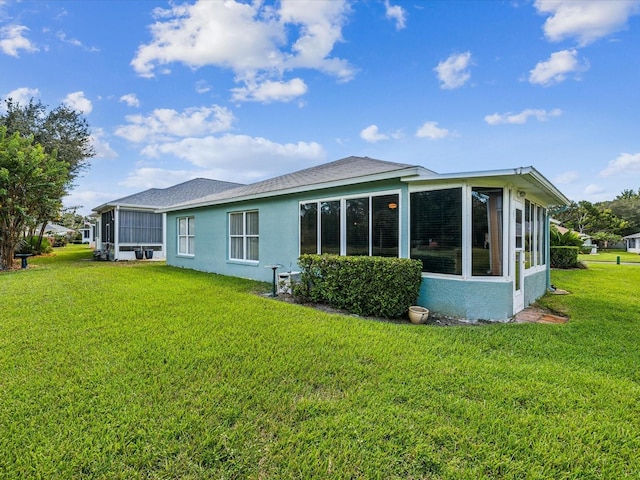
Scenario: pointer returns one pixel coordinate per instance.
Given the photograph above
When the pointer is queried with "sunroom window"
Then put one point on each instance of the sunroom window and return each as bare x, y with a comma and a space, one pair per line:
366, 225
436, 230
486, 231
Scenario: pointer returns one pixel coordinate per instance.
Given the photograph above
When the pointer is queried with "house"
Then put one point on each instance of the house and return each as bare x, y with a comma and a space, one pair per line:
632, 242
88, 234
131, 223
482, 237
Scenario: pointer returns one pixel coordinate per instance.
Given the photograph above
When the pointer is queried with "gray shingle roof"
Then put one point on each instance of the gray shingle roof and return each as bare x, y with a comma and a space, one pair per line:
349, 168
163, 197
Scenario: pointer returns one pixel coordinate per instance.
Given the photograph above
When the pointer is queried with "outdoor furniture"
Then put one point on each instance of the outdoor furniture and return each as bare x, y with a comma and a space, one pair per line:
23, 258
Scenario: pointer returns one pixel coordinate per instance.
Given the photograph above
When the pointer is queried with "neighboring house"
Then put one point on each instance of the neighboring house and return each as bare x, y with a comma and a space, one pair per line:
482, 237
88, 234
55, 229
632, 242
131, 223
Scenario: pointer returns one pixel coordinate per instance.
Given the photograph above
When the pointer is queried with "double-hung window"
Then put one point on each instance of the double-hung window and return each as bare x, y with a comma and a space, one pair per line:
244, 236
186, 236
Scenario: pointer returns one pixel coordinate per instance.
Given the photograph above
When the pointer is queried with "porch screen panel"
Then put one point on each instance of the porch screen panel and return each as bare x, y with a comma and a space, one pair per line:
309, 228
330, 227
386, 224
140, 227
108, 226
357, 215
487, 231
542, 237
436, 230
528, 234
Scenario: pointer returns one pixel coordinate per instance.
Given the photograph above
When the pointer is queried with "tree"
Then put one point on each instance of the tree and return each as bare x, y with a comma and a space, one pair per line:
29, 179
63, 134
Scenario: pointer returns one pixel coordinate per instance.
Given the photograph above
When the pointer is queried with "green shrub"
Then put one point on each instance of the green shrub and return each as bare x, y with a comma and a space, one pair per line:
30, 245
564, 257
566, 239
363, 285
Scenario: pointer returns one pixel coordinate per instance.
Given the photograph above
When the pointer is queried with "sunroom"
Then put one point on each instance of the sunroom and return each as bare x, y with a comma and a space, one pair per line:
483, 240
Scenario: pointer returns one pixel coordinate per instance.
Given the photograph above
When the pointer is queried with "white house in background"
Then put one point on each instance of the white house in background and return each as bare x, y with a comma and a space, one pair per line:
131, 224
88, 234
632, 242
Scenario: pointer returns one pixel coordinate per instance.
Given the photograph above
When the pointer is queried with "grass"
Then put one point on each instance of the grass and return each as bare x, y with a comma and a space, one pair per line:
611, 256
137, 370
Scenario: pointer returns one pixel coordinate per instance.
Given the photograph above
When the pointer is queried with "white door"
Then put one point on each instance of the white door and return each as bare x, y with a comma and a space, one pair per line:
518, 257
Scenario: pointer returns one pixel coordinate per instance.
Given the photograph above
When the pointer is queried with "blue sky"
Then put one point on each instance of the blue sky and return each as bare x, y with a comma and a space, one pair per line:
242, 91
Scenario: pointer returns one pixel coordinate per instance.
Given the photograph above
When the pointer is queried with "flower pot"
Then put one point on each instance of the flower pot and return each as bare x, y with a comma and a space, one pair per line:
139, 254
148, 254
418, 314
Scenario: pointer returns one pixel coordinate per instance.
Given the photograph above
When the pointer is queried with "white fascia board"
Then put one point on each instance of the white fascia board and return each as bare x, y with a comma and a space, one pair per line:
411, 172
111, 206
520, 177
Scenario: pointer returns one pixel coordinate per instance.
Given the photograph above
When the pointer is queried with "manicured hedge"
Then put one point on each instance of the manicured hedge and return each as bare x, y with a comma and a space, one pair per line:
377, 286
564, 257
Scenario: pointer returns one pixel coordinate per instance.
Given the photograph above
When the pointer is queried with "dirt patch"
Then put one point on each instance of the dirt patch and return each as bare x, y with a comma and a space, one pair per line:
434, 318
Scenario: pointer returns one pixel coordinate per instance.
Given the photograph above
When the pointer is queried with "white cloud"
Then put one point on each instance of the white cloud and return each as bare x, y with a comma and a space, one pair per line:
252, 39
167, 124
372, 135
23, 95
567, 178
626, 163
78, 102
87, 199
397, 14
556, 69
202, 86
12, 40
269, 91
522, 117
586, 20
130, 99
453, 72
593, 189
240, 156
432, 131
100, 145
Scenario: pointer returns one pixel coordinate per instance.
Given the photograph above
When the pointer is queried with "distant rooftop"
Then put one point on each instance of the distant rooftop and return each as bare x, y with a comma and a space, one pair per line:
163, 197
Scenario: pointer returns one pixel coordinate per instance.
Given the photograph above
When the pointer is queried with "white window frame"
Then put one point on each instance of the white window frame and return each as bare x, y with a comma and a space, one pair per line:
343, 218
189, 235
244, 236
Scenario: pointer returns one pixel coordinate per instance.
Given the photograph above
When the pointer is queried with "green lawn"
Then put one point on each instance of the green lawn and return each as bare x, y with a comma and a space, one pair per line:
611, 256
137, 371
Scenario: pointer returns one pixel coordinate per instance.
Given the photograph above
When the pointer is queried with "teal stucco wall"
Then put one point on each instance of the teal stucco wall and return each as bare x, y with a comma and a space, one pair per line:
470, 299
535, 286
279, 232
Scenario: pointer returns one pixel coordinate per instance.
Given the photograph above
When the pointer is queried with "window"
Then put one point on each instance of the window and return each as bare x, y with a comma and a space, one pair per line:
308, 228
367, 225
535, 235
486, 231
243, 236
436, 230
186, 236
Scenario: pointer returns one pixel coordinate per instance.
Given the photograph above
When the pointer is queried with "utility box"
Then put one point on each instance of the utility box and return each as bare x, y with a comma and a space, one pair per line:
286, 279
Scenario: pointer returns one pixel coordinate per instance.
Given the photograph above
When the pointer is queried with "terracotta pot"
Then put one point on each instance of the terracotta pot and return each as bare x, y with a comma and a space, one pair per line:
418, 314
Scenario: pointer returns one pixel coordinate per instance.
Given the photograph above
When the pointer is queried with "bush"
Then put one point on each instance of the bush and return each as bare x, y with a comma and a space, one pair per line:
377, 286
564, 257
29, 245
